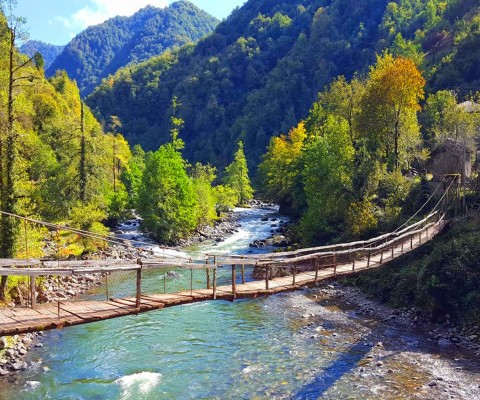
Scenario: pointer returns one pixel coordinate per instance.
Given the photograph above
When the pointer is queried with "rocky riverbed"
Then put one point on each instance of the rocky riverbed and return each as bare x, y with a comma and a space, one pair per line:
445, 335
399, 354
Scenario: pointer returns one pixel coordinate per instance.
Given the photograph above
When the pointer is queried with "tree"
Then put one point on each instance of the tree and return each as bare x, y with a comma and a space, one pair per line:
236, 176
167, 200
203, 176
279, 169
389, 109
18, 72
327, 177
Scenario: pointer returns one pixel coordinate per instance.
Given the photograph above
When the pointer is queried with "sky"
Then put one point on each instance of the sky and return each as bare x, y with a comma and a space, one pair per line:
58, 21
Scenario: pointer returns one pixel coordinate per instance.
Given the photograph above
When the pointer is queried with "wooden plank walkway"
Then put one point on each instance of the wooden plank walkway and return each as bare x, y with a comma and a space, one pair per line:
68, 313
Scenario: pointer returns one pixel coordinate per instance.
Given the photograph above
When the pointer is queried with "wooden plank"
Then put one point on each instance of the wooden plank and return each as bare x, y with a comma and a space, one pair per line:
89, 263
12, 262
147, 264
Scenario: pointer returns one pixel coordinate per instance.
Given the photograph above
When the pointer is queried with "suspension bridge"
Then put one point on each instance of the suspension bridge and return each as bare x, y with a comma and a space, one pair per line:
129, 287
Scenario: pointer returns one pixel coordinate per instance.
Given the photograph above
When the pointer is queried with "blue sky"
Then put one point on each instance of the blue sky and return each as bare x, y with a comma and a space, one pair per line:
58, 21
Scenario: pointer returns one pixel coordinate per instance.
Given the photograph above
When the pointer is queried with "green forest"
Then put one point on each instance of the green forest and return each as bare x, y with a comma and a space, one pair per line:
260, 71
102, 49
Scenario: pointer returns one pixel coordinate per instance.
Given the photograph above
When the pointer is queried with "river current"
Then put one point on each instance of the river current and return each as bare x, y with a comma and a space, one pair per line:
289, 346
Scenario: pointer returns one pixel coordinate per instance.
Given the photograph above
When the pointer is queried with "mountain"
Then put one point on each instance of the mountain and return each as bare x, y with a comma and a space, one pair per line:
48, 51
102, 49
258, 74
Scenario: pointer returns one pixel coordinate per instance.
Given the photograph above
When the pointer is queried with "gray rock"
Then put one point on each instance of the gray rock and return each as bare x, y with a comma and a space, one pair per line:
432, 383
22, 351
3, 343
444, 342
3, 372
10, 353
19, 366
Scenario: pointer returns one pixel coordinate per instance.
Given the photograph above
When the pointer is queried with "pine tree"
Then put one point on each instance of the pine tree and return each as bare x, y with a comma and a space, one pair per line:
236, 176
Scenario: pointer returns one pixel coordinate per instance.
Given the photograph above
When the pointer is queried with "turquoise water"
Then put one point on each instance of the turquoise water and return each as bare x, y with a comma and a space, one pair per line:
281, 347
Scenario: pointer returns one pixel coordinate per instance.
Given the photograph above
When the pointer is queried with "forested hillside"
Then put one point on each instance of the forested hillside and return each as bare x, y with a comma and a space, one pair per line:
102, 49
259, 72
48, 51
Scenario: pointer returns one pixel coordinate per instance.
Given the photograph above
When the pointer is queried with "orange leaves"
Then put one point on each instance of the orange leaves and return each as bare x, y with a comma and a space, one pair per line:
399, 82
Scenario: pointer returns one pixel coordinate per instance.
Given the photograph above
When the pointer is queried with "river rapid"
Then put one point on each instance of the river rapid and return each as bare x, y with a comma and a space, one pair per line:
301, 345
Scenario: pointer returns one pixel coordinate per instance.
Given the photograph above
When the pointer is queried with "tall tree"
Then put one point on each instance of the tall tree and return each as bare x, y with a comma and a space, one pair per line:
389, 108
18, 73
236, 176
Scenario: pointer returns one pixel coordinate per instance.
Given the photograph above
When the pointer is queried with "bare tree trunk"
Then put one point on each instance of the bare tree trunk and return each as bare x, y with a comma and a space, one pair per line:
83, 163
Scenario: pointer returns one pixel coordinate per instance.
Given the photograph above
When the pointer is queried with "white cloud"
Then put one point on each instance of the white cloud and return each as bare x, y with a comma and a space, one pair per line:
98, 11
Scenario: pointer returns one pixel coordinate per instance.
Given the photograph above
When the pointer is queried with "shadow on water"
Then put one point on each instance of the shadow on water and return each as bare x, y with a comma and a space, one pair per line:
345, 363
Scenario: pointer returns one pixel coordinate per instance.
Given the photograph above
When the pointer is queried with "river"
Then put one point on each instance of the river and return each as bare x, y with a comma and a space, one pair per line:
299, 345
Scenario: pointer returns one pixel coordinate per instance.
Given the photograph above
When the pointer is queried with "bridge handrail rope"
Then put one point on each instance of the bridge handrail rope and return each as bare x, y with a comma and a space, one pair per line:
320, 249
348, 251
357, 244
110, 238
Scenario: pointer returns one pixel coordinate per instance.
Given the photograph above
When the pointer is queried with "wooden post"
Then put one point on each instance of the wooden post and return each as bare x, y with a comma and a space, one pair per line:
234, 283
353, 263
165, 281
33, 294
381, 257
334, 264
58, 309
294, 273
426, 231
368, 261
243, 272
411, 242
393, 247
215, 284
106, 286
317, 265
266, 277
402, 247
208, 274
139, 286
191, 281
420, 238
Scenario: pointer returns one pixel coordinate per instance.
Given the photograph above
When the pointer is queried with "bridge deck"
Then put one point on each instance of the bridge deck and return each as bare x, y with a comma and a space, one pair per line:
69, 313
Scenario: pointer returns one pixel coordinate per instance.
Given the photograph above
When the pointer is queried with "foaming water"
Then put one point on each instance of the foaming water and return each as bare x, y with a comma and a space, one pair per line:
141, 383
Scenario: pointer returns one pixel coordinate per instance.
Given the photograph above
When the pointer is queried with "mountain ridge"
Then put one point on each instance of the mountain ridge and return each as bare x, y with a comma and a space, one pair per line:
49, 51
102, 49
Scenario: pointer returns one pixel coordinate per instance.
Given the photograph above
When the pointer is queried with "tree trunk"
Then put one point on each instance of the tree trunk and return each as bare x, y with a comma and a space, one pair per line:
83, 164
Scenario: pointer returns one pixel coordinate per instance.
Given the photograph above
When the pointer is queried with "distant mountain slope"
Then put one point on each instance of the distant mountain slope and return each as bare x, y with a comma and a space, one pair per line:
101, 50
48, 51
258, 74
